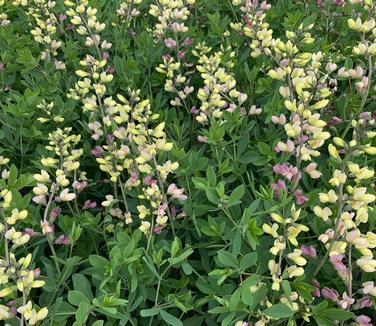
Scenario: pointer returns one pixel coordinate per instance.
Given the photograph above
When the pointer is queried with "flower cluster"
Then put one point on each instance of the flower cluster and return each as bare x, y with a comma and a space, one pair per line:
128, 10
290, 231
17, 274
219, 92
132, 145
46, 29
171, 16
351, 201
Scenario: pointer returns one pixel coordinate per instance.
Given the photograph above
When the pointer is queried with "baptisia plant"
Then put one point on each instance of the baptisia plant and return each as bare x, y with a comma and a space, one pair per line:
132, 152
19, 277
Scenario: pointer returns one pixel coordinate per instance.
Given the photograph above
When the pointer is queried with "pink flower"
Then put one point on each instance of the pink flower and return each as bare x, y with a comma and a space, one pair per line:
97, 151
55, 212
281, 120
316, 292
339, 3
36, 272
288, 171
175, 192
300, 198
63, 240
334, 121
181, 54
202, 139
311, 170
280, 185
62, 17
188, 41
331, 294
158, 229
47, 228
170, 43
194, 110
346, 301
79, 185
29, 231
89, 204
308, 251
336, 260
364, 302
148, 180
363, 320
166, 57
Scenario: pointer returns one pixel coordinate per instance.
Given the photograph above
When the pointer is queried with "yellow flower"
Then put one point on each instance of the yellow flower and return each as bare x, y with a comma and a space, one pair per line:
329, 197
142, 211
297, 258
333, 152
145, 226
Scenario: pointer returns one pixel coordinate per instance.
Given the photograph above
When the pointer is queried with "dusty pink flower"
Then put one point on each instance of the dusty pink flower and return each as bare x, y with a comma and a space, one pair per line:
311, 170
299, 197
62, 17
363, 320
158, 229
36, 272
280, 185
30, 232
170, 43
175, 192
364, 302
346, 301
369, 288
105, 55
79, 185
97, 151
63, 240
308, 251
166, 57
194, 110
336, 260
181, 55
316, 292
288, 171
339, 3
149, 180
55, 212
279, 120
202, 139
47, 228
89, 204
115, 212
188, 41
331, 294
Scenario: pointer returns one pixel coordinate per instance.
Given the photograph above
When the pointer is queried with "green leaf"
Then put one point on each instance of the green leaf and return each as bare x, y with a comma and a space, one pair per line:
236, 195
227, 259
248, 260
212, 195
76, 297
336, 314
149, 312
247, 297
265, 149
82, 313
170, 319
182, 257
82, 284
175, 247
98, 323
279, 311
235, 299
210, 174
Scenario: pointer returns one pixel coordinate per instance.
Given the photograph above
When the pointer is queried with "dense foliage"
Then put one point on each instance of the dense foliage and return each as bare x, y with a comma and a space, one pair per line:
187, 162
